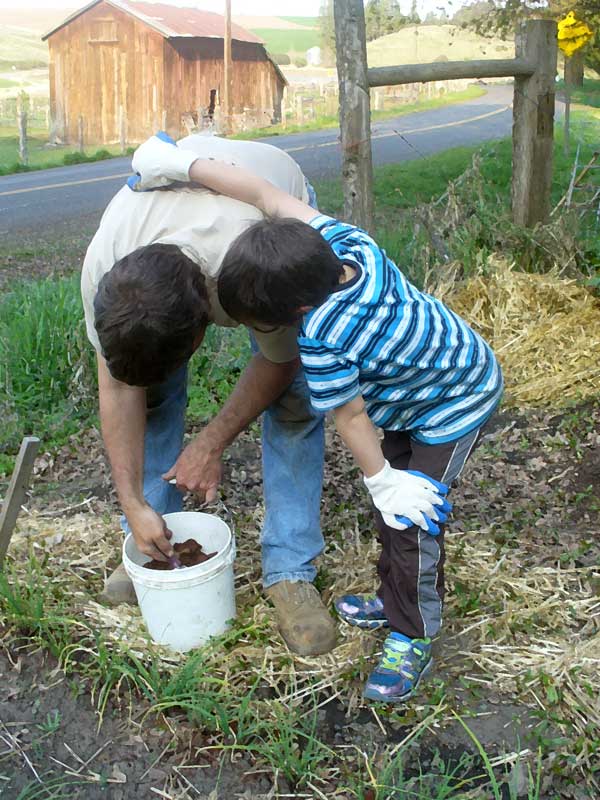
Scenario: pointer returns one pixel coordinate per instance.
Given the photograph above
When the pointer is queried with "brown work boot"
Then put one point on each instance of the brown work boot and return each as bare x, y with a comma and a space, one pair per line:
304, 622
118, 588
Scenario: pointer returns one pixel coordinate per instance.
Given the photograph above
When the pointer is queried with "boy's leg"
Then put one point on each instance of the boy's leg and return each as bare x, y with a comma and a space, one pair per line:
411, 566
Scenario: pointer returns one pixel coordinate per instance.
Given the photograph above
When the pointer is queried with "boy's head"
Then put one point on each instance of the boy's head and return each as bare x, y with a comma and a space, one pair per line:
275, 270
150, 311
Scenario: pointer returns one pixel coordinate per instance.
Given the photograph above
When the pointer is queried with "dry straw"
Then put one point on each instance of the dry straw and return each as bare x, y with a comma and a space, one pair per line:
544, 329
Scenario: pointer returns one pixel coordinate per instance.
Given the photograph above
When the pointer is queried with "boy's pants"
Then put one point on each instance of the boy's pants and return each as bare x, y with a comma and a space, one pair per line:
411, 565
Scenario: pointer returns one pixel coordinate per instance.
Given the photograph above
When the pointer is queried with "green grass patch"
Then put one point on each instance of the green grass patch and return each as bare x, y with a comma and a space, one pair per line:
46, 366
41, 156
284, 40
8, 84
586, 95
323, 121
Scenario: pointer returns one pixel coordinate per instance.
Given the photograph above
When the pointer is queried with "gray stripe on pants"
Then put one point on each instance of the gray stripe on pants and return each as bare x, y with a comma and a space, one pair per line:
430, 603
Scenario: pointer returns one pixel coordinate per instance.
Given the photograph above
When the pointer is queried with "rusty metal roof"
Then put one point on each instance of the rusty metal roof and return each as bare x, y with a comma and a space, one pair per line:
172, 21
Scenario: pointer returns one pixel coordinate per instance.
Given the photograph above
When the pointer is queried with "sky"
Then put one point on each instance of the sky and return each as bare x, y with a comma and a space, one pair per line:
273, 7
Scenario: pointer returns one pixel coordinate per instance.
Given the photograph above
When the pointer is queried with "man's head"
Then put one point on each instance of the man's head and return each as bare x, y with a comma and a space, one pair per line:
151, 310
275, 270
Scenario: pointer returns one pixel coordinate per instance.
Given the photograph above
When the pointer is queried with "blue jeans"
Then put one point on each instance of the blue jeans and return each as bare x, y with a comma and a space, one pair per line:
292, 455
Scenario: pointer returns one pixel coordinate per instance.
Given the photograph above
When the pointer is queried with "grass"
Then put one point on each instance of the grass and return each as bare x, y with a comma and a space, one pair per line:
40, 155
280, 738
309, 22
587, 95
294, 41
322, 122
22, 49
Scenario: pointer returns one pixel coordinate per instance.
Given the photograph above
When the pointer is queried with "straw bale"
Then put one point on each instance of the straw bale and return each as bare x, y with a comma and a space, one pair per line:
544, 329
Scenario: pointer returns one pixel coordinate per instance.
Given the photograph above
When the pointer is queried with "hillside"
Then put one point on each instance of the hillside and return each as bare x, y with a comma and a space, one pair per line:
21, 49
38, 20
424, 43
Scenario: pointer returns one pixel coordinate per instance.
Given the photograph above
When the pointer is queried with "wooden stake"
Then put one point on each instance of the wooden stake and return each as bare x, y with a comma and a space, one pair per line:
355, 111
17, 490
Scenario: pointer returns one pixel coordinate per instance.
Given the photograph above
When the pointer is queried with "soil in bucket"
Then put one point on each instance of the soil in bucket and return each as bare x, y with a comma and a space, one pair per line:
189, 554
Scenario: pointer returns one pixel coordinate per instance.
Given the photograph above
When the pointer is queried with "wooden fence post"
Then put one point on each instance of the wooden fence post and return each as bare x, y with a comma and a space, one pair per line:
23, 154
299, 110
355, 111
22, 125
533, 123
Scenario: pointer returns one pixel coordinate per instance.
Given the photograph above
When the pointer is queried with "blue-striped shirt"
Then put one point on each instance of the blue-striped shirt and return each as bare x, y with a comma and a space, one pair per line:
418, 366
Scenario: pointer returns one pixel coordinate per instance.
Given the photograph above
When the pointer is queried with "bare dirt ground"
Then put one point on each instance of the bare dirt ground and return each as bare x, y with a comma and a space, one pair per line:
533, 484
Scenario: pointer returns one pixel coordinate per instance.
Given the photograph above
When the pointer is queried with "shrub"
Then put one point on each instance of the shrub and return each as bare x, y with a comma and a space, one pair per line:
281, 58
300, 62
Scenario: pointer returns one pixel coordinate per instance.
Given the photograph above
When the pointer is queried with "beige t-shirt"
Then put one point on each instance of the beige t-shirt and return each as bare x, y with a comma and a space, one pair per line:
201, 223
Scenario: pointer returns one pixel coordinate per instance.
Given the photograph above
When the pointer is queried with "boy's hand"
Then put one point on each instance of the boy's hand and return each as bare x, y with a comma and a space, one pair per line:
158, 162
407, 498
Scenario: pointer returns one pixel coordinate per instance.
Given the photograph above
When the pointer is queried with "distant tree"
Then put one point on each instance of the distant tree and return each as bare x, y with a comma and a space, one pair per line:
327, 32
502, 17
383, 17
437, 17
413, 17
467, 15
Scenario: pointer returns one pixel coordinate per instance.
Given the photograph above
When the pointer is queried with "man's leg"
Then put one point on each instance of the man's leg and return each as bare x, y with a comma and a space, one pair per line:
165, 421
292, 456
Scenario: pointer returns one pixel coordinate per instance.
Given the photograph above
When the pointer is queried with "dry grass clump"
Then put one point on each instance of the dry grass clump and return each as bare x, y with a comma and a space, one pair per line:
544, 329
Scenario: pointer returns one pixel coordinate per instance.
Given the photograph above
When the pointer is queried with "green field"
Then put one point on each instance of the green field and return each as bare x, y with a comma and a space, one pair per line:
294, 40
22, 49
586, 95
424, 43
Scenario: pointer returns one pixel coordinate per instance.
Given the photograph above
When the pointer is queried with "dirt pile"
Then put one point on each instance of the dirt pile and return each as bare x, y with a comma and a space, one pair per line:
189, 554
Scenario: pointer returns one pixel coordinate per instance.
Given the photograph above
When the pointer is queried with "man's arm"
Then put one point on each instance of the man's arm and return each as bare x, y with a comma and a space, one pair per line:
123, 419
198, 468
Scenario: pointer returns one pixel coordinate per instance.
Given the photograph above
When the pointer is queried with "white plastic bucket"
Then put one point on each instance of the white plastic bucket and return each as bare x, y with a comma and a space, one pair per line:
183, 608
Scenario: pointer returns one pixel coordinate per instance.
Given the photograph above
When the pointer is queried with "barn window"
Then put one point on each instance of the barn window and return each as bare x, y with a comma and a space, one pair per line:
104, 31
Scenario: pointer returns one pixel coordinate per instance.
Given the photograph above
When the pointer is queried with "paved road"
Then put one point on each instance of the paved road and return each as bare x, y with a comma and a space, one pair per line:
50, 197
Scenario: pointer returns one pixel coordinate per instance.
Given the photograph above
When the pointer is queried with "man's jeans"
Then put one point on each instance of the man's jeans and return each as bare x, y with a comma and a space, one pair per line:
292, 455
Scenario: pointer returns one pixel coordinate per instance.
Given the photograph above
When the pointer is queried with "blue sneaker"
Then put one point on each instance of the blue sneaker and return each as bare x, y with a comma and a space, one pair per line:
363, 610
399, 672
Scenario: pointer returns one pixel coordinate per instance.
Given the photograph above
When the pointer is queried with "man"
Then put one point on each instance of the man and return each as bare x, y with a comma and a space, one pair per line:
149, 292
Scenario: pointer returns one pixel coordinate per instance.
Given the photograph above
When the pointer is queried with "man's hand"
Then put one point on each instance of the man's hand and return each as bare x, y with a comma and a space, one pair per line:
198, 468
150, 533
158, 162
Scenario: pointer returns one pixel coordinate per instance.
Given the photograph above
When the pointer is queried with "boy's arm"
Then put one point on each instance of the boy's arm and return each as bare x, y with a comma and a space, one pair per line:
359, 436
159, 162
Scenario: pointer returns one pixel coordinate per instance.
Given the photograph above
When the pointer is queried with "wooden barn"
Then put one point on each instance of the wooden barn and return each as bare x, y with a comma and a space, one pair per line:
119, 71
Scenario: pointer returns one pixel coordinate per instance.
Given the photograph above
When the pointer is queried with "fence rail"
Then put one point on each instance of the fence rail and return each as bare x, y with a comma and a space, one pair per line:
534, 72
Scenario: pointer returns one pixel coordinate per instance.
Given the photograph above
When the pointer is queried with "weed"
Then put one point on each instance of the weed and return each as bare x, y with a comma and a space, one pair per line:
52, 722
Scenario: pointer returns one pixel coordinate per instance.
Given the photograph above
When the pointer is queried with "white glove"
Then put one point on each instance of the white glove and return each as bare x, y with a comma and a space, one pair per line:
159, 162
407, 498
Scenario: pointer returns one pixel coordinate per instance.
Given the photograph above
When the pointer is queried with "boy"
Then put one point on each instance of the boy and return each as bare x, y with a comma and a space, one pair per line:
377, 352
